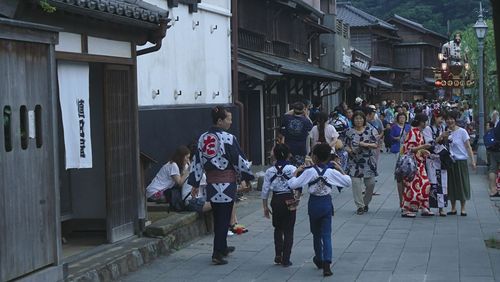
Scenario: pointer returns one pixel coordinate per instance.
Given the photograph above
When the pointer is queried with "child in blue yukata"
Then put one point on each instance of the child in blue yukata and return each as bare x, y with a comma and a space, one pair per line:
320, 179
283, 215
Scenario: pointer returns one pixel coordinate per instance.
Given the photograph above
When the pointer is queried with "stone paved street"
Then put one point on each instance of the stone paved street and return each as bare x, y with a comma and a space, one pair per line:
378, 246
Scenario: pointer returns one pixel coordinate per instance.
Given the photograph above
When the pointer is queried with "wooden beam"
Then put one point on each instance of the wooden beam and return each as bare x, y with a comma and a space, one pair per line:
93, 58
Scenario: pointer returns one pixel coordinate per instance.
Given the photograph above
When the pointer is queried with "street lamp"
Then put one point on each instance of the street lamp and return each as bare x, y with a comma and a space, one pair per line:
481, 28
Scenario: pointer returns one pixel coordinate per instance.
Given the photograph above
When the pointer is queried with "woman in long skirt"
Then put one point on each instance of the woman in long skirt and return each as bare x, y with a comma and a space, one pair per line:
435, 135
458, 174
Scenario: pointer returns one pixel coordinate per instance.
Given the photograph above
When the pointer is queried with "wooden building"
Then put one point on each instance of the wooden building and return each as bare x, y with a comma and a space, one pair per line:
417, 53
278, 63
374, 38
42, 200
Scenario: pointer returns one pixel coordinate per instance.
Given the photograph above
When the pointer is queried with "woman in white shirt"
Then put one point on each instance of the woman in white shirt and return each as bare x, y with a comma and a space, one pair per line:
324, 132
458, 173
169, 175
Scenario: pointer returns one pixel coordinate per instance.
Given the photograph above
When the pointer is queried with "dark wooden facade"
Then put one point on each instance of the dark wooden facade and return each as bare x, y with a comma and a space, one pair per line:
41, 189
274, 28
375, 39
29, 236
279, 42
417, 54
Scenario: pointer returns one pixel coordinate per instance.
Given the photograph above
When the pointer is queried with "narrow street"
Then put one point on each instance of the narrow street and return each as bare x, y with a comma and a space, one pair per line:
377, 246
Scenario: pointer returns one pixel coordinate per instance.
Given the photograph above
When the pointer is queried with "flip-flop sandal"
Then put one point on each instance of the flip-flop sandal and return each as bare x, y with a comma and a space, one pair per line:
451, 213
463, 213
409, 215
427, 214
442, 214
496, 195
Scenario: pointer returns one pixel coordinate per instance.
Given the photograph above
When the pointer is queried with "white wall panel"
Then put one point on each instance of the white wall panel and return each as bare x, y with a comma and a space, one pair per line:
69, 42
106, 47
190, 60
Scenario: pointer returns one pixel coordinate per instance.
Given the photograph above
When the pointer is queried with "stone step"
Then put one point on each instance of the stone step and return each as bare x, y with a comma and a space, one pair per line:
109, 262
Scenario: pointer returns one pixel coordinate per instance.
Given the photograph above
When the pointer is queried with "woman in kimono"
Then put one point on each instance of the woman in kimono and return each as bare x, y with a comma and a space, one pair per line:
416, 190
435, 135
219, 156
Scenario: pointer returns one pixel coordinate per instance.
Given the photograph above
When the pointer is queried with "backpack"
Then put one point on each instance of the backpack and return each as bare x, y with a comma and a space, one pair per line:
340, 125
492, 139
175, 200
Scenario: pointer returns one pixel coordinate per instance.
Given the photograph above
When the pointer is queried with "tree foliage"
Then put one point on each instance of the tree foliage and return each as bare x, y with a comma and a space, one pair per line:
470, 43
432, 14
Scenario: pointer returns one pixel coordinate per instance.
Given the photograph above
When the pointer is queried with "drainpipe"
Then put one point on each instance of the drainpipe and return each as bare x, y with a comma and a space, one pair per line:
234, 68
158, 36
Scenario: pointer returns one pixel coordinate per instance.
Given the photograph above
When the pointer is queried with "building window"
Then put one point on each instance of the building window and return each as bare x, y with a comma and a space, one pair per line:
7, 128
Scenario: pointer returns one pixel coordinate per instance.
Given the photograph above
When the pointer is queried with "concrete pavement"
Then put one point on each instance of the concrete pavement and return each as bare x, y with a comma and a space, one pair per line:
377, 246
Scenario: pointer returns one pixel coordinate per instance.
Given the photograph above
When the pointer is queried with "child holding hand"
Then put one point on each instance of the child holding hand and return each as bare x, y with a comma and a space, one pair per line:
283, 203
320, 179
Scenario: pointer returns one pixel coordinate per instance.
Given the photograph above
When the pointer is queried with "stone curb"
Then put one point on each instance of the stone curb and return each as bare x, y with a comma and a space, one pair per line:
167, 237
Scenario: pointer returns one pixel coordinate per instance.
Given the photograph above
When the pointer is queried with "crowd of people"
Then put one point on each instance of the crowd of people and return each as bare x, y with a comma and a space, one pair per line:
431, 142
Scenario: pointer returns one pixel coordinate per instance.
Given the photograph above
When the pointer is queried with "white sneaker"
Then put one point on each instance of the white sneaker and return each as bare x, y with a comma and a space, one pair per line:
230, 233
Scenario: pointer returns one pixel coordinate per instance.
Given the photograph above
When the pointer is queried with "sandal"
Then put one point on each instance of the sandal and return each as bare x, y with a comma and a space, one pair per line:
496, 195
442, 213
426, 212
409, 215
452, 213
463, 213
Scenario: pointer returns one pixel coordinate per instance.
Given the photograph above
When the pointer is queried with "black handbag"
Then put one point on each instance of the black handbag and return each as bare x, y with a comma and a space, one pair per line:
446, 159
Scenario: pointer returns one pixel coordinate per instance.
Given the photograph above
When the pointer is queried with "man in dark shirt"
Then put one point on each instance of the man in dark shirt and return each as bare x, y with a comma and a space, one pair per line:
295, 129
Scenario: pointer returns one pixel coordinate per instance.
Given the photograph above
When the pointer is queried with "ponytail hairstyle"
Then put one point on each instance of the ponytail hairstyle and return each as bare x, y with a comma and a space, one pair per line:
281, 152
322, 119
218, 112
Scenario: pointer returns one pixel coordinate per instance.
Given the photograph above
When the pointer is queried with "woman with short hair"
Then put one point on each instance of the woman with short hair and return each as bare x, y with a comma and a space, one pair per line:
361, 143
458, 173
397, 135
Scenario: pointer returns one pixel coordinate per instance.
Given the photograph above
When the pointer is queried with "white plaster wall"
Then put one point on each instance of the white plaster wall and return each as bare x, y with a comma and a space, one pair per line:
190, 60
69, 42
107, 47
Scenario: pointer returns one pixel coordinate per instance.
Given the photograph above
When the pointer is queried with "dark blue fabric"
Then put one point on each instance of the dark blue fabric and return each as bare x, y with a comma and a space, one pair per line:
222, 218
320, 222
232, 153
296, 129
396, 133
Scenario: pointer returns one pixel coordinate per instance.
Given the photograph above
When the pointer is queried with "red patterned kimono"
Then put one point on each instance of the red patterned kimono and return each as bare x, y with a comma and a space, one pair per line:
416, 190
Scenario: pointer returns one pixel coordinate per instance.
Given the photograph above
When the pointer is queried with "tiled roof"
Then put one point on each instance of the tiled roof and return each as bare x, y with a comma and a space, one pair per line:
358, 18
136, 11
289, 66
415, 25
